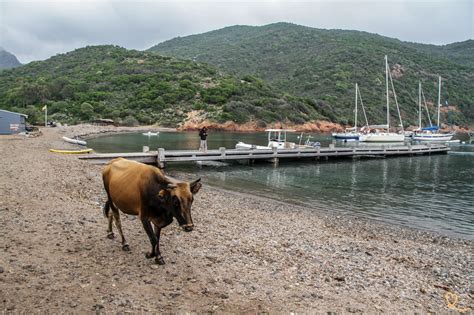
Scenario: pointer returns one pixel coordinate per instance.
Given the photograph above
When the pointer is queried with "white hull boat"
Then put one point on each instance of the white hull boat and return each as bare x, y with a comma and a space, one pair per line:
431, 134
247, 146
75, 141
276, 139
433, 137
376, 133
149, 133
382, 137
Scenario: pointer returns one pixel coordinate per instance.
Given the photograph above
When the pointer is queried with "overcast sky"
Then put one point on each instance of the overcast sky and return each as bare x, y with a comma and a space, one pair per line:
38, 29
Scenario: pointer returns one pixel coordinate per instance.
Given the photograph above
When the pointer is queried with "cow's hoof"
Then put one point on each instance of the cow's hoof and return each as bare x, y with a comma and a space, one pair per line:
125, 248
160, 260
150, 255
111, 235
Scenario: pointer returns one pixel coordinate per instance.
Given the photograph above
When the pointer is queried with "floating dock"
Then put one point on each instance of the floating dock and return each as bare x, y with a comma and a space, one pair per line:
161, 157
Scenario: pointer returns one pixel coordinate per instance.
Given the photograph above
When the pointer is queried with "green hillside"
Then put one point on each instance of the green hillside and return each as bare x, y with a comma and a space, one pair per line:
324, 65
140, 87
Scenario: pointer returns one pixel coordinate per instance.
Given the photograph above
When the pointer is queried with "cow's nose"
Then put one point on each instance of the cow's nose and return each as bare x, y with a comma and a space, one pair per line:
188, 227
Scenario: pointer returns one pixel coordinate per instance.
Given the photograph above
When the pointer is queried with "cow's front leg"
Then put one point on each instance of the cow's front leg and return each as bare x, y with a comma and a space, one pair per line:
158, 259
151, 235
158, 223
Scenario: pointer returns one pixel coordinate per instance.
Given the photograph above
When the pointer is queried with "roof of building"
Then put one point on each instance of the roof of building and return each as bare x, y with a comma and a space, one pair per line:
103, 120
7, 111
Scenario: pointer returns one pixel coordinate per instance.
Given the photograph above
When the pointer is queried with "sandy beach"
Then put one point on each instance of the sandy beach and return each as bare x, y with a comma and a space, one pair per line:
246, 254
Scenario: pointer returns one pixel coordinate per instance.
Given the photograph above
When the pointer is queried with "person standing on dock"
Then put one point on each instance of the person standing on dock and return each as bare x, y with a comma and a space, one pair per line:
203, 136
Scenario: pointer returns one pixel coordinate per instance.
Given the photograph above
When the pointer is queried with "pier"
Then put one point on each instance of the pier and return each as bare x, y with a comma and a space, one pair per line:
162, 157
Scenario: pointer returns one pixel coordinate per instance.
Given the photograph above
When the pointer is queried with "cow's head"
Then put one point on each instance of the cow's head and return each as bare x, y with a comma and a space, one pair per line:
180, 198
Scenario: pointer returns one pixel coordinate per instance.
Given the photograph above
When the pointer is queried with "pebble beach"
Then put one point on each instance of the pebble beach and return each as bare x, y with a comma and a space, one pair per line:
246, 254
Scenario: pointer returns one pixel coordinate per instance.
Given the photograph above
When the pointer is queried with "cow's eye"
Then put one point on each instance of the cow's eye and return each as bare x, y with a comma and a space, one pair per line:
176, 201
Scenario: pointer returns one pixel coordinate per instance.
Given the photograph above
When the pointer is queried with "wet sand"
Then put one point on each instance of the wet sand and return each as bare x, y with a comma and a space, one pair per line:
246, 254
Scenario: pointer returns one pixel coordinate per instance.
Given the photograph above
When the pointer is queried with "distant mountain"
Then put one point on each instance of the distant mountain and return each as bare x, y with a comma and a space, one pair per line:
8, 60
324, 65
141, 87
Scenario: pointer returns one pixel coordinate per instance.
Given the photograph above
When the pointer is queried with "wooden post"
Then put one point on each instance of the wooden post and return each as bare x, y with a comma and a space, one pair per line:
146, 149
160, 159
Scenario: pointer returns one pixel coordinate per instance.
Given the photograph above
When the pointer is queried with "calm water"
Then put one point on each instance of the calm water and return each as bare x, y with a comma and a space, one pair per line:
433, 193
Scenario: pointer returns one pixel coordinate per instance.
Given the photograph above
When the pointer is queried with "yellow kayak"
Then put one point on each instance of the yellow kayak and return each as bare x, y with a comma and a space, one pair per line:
71, 151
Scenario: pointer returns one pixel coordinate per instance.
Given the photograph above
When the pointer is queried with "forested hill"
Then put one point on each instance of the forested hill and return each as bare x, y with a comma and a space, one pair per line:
325, 64
8, 60
140, 87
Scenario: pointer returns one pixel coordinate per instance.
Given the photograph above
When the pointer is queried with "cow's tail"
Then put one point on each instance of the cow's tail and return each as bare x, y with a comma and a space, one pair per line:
106, 208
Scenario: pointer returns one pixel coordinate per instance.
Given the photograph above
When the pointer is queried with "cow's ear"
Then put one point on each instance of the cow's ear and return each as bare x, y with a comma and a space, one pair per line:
195, 186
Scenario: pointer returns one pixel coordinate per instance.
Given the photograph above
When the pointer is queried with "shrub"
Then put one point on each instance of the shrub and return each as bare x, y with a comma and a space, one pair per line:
130, 121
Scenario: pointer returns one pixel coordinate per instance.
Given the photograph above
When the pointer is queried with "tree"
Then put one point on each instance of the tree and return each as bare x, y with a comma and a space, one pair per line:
87, 111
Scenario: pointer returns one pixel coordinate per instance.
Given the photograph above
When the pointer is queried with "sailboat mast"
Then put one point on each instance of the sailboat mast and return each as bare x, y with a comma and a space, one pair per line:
386, 90
355, 119
419, 104
439, 99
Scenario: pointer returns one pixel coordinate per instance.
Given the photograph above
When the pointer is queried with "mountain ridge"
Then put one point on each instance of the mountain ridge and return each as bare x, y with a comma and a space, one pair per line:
324, 65
140, 87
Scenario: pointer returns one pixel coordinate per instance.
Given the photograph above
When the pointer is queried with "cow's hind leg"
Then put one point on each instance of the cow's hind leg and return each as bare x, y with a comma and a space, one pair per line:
110, 232
109, 216
118, 224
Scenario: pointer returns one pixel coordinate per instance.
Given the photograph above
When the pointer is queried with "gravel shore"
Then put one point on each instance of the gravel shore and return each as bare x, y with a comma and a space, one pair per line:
246, 254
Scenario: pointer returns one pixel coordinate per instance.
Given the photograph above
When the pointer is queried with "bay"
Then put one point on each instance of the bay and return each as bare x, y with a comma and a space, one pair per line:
432, 192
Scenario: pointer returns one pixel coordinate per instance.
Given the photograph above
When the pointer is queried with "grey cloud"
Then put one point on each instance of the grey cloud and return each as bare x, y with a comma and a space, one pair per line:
35, 30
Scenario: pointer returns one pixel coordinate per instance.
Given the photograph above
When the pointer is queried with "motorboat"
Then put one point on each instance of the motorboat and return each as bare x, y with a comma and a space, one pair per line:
276, 139
149, 133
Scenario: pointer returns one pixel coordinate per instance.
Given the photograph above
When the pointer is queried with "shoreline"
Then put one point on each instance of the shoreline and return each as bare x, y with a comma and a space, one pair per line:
393, 228
247, 253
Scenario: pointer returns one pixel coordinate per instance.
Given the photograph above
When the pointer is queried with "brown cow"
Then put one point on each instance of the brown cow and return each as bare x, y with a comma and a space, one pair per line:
143, 190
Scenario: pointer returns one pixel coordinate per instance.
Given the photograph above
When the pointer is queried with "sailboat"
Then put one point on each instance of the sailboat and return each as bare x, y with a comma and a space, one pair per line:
432, 133
352, 133
375, 134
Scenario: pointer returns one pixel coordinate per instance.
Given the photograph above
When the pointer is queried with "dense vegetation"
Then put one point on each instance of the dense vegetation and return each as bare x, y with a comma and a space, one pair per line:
140, 87
324, 65
8, 60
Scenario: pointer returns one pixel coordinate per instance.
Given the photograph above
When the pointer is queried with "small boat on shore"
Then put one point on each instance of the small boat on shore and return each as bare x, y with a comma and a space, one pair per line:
71, 151
74, 141
149, 133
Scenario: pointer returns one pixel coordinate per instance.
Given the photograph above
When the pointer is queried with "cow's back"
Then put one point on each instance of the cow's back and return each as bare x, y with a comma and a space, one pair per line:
125, 182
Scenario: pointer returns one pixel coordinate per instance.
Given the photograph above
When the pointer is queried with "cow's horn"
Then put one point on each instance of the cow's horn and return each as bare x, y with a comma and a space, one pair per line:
172, 186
